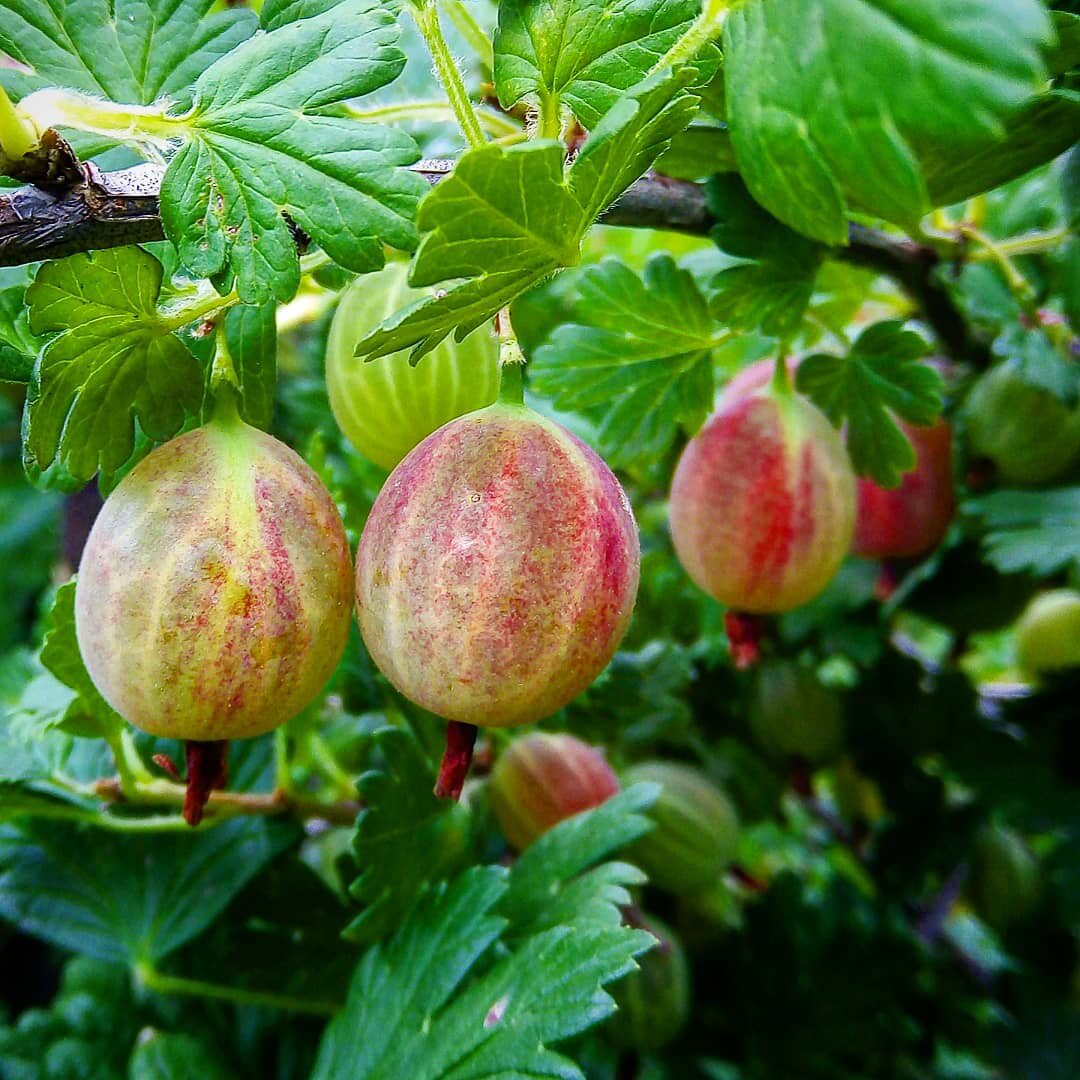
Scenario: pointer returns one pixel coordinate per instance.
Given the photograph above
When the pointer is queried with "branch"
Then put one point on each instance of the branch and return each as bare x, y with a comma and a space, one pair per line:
104, 210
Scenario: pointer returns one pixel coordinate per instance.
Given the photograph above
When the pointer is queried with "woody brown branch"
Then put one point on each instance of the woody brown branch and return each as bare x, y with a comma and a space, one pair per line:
104, 210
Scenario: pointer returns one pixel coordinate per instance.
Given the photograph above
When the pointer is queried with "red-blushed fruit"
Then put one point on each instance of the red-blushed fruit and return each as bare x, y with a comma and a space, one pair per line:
541, 779
763, 503
214, 594
696, 827
909, 520
498, 568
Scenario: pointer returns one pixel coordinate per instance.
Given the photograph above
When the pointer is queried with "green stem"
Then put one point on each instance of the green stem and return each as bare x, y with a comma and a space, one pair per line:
207, 303
282, 770
426, 14
129, 766
550, 122
511, 361
322, 756
1018, 285
471, 31
494, 123
133, 124
159, 983
781, 380
705, 28
1032, 243
224, 383
512, 386
15, 139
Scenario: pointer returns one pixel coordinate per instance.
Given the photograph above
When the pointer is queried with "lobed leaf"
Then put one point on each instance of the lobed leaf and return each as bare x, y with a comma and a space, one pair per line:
930, 80
637, 354
134, 52
261, 144
582, 53
114, 362
879, 380
1036, 532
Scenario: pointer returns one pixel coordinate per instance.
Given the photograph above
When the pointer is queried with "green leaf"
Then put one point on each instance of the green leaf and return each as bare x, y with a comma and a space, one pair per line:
129, 51
91, 716
169, 1056
260, 143
638, 356
582, 53
822, 128
877, 381
126, 897
114, 361
423, 1006
769, 291
18, 347
1037, 532
1036, 134
507, 217
552, 882
405, 837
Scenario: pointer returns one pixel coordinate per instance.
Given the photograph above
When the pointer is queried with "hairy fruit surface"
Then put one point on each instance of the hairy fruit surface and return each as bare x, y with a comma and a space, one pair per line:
213, 597
910, 520
696, 828
763, 503
387, 406
498, 569
542, 779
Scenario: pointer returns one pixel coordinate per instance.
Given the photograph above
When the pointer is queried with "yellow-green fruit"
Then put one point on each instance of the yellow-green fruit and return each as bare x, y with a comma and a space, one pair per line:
387, 406
696, 828
654, 1001
1048, 633
214, 594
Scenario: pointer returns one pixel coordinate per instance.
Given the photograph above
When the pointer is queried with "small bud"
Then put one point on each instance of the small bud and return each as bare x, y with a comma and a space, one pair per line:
793, 716
543, 779
654, 1001
696, 829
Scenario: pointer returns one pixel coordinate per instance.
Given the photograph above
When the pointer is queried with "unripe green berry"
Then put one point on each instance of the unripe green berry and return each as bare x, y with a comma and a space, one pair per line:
696, 828
1048, 633
543, 779
1003, 884
1031, 437
654, 1001
793, 716
387, 406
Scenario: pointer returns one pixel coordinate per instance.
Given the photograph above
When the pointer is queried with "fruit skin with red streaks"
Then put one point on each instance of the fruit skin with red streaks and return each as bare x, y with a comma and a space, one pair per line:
497, 571
910, 520
214, 594
542, 779
763, 502
696, 827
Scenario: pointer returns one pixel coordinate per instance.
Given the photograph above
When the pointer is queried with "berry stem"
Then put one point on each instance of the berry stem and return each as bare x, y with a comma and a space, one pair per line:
471, 31
426, 14
207, 770
460, 740
744, 632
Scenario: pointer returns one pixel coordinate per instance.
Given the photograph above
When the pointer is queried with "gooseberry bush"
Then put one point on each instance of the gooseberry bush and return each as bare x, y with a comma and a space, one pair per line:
539, 539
